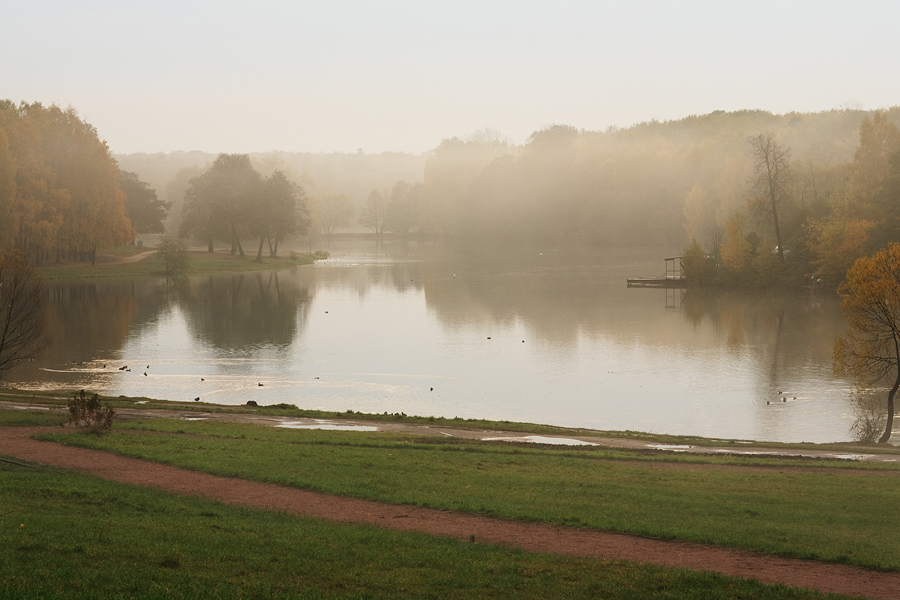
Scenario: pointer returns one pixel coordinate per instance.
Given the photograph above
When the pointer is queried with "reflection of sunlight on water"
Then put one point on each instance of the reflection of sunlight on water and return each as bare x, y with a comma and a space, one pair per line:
670, 447
325, 425
540, 439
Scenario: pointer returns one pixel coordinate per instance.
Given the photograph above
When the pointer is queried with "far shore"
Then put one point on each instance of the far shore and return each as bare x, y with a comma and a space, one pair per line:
141, 261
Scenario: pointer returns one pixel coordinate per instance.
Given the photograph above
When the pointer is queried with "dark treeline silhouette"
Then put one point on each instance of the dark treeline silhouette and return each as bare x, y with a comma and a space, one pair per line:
231, 200
328, 179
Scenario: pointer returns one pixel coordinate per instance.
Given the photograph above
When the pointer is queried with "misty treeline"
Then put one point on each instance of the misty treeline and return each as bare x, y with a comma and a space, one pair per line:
758, 199
62, 195
334, 184
750, 193
802, 217
231, 201
694, 179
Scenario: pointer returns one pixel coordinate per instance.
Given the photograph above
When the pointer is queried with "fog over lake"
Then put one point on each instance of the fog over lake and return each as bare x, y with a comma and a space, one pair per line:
543, 335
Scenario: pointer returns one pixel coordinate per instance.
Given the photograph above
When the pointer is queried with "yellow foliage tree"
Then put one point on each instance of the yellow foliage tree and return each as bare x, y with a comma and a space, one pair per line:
870, 351
838, 242
736, 250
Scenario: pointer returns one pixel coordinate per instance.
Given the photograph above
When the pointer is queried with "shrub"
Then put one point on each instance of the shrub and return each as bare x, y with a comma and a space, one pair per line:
89, 415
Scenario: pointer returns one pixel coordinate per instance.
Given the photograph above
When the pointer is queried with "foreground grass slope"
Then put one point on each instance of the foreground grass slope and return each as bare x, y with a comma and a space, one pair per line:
64, 535
830, 512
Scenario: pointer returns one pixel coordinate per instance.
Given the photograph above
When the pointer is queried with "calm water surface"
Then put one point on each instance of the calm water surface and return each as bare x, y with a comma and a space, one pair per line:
544, 336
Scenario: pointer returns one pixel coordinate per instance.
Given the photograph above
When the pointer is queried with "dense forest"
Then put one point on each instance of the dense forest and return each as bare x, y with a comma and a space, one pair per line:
748, 194
60, 195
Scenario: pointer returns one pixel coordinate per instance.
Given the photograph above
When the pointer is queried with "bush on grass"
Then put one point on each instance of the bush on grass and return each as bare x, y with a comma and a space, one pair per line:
89, 415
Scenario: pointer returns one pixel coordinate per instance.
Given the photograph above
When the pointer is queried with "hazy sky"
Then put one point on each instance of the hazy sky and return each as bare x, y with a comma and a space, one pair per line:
262, 75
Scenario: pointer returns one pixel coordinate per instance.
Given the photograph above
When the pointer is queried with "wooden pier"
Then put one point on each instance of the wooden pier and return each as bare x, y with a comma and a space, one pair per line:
674, 278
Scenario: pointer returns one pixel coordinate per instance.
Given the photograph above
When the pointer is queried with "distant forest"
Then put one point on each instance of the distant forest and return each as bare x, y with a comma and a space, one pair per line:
703, 183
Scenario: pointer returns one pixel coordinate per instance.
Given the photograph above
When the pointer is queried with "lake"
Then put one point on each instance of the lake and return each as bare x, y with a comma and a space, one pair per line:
540, 335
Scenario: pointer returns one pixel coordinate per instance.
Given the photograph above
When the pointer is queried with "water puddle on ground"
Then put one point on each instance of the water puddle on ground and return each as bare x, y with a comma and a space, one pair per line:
325, 425
670, 447
539, 439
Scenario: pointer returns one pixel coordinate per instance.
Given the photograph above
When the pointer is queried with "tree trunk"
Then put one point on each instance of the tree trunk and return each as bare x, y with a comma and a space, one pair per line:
259, 252
236, 241
775, 218
209, 246
890, 412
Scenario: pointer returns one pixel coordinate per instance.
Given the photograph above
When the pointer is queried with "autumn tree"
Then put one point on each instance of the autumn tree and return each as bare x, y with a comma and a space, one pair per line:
66, 195
146, 211
21, 311
837, 242
82, 165
870, 351
771, 180
372, 214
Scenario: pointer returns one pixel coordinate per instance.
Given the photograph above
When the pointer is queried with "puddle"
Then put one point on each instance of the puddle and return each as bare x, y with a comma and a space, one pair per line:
755, 452
850, 456
325, 425
141, 402
539, 439
193, 418
670, 447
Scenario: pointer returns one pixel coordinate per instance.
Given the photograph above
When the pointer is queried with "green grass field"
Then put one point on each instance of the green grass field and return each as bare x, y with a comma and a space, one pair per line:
84, 537
152, 266
833, 512
72, 536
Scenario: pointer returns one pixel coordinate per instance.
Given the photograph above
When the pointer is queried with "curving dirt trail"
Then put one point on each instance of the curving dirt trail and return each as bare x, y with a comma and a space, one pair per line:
16, 442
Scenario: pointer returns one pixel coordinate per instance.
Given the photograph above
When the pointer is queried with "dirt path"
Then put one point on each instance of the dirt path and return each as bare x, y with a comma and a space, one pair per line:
118, 260
16, 442
103, 260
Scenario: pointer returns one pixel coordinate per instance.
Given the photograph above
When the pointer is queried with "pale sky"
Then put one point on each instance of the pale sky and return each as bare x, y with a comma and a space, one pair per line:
227, 76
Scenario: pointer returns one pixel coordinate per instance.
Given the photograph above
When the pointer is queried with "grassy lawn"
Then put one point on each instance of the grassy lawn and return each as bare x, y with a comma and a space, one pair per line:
834, 512
200, 263
66, 535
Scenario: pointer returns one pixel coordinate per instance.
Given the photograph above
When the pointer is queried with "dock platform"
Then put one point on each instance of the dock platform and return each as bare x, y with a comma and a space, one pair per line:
674, 277
658, 282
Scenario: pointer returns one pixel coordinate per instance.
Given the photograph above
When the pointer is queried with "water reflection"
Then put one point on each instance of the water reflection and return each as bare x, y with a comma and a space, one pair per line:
542, 335
244, 310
